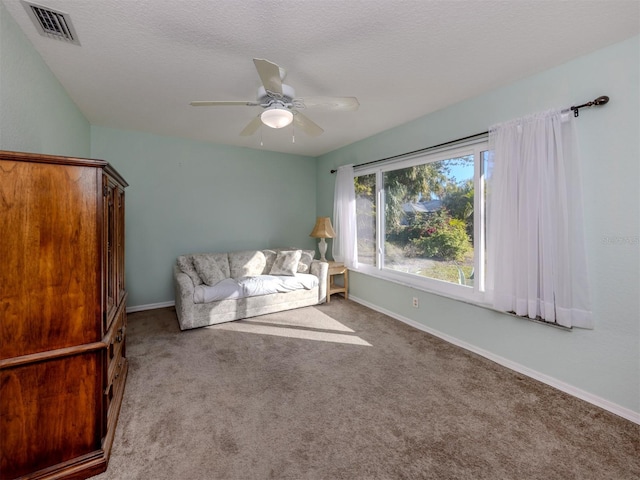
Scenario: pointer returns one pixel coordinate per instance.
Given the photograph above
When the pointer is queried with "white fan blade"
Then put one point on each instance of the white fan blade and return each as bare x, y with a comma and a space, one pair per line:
269, 74
306, 125
223, 104
329, 103
252, 127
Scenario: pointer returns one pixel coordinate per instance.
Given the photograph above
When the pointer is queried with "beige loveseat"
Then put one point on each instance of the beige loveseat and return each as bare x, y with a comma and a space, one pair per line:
213, 288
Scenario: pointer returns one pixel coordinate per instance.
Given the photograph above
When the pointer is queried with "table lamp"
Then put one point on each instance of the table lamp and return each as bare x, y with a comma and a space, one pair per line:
322, 230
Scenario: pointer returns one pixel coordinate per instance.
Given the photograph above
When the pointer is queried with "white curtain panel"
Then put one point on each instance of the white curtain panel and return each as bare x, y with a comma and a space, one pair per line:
345, 245
536, 261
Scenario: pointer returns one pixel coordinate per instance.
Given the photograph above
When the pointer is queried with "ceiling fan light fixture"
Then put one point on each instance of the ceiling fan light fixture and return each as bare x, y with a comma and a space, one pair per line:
276, 117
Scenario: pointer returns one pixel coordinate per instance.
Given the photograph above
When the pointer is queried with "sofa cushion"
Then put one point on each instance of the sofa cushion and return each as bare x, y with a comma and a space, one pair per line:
248, 263
306, 257
223, 262
185, 262
227, 289
260, 285
208, 269
286, 262
268, 284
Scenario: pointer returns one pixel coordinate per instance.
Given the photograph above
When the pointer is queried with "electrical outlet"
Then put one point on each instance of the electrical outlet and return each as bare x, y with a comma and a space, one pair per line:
415, 302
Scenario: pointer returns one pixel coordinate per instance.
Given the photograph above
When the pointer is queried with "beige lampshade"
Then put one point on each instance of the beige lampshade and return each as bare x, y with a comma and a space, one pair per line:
323, 228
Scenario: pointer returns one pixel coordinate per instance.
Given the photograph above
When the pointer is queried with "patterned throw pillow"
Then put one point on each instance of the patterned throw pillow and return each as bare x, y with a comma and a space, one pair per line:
306, 257
270, 257
286, 262
208, 269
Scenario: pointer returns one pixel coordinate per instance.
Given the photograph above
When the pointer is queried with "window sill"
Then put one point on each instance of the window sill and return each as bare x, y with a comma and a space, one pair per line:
443, 289
426, 284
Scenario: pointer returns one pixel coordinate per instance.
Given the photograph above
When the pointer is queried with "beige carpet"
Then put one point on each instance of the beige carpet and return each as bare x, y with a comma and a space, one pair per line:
339, 391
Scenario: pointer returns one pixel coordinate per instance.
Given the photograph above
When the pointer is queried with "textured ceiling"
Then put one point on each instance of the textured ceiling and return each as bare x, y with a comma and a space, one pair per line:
141, 62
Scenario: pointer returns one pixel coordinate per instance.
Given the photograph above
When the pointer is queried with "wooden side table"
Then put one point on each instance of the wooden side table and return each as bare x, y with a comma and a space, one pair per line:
336, 268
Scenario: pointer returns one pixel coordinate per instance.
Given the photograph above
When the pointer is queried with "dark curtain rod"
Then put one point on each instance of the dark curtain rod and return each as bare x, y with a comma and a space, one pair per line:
598, 101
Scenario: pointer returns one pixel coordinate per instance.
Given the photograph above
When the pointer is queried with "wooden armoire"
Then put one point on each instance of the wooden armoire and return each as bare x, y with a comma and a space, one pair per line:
62, 314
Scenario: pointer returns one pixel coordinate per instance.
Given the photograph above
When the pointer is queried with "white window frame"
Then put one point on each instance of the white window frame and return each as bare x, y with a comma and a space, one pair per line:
473, 294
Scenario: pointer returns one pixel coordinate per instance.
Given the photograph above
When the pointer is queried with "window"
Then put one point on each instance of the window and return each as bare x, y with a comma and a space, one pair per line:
365, 186
420, 221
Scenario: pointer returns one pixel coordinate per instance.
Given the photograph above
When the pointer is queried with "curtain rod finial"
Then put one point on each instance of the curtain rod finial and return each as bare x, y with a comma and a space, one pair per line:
602, 100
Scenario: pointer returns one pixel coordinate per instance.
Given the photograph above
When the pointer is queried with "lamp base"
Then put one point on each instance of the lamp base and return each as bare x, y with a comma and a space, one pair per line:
322, 246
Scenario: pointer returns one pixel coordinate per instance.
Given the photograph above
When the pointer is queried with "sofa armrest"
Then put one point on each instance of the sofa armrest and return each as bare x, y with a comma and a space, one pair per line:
184, 290
320, 270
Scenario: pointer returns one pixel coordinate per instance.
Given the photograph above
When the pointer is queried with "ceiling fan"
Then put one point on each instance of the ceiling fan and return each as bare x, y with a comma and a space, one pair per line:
280, 104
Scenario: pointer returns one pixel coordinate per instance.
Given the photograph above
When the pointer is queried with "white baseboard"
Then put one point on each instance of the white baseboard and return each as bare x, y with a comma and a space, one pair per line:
554, 382
150, 306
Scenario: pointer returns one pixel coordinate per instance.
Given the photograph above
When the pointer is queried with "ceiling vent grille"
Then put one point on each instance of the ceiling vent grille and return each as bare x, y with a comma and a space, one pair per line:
51, 23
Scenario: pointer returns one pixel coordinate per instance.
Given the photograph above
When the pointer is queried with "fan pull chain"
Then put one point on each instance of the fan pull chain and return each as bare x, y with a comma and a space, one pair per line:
261, 144
293, 134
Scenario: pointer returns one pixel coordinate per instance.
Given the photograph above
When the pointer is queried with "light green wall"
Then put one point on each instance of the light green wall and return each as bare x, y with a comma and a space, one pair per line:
605, 361
36, 114
186, 196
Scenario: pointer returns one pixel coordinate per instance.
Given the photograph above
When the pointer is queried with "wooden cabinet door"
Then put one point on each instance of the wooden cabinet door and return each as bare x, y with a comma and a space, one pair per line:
120, 282
50, 413
49, 253
110, 251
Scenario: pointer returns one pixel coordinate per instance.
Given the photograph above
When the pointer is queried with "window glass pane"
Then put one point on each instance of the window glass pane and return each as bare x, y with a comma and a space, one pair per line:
485, 176
365, 186
429, 220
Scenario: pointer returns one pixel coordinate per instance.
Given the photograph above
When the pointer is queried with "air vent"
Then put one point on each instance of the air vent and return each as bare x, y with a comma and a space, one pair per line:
51, 23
